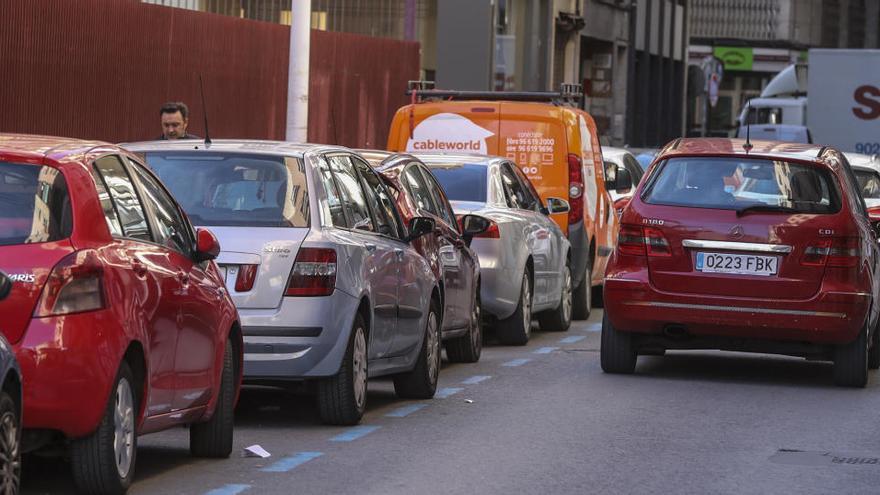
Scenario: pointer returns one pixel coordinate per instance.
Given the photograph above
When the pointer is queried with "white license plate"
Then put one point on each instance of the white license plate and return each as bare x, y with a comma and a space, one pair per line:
740, 264
229, 274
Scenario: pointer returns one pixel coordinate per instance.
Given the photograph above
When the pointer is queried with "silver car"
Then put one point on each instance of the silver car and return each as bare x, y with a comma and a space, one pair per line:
318, 262
524, 255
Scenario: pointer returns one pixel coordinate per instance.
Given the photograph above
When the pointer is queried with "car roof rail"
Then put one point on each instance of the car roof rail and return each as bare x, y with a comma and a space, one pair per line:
569, 94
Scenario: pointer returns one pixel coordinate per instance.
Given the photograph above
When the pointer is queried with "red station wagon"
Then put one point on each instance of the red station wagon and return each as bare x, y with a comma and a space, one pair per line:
118, 317
761, 247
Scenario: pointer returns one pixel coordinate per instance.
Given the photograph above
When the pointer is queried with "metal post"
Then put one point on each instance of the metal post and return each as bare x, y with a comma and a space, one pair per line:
298, 71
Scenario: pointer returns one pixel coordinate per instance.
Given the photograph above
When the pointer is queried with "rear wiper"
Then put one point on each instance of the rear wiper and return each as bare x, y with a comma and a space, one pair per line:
782, 209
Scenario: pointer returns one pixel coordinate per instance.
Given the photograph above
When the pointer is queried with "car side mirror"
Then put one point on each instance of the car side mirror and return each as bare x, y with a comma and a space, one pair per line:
557, 205
473, 225
5, 286
610, 176
420, 226
624, 181
207, 245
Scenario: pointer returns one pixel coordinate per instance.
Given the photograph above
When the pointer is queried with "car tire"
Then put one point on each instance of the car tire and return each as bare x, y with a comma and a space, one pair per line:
851, 362
10, 446
213, 438
342, 398
582, 298
874, 352
559, 319
468, 347
421, 382
517, 328
101, 465
617, 353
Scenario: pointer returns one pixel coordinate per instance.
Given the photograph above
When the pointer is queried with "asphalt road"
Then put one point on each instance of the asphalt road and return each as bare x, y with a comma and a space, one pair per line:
544, 419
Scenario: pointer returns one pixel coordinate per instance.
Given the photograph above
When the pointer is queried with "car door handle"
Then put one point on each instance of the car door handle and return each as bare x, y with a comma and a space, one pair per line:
139, 268
370, 247
183, 278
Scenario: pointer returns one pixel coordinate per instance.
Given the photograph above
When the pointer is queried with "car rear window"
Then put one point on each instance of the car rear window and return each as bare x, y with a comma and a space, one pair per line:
233, 189
466, 182
737, 184
34, 204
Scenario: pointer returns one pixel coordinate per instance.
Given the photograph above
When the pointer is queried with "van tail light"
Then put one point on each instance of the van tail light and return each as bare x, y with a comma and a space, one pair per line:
244, 281
874, 213
638, 241
76, 285
575, 189
313, 274
834, 252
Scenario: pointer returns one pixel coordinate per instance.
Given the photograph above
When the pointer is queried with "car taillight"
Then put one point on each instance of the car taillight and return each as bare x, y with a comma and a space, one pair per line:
656, 242
76, 285
575, 189
638, 241
835, 252
874, 213
313, 274
244, 281
631, 240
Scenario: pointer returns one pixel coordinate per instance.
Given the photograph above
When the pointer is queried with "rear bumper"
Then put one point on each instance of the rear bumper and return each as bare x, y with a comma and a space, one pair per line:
635, 306
68, 367
500, 278
306, 337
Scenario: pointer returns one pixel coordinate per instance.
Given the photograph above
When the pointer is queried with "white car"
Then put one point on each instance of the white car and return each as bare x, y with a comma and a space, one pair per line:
867, 171
618, 160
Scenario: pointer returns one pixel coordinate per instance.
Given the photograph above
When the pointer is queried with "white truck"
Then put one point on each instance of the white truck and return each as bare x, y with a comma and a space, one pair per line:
836, 96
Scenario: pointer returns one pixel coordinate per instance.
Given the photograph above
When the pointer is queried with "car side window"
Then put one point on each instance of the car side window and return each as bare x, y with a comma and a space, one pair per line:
517, 197
440, 199
855, 196
334, 200
635, 170
415, 183
110, 214
532, 196
172, 229
128, 205
351, 192
380, 201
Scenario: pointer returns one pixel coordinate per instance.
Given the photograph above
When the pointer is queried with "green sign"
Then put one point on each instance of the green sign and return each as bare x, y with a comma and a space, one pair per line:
734, 57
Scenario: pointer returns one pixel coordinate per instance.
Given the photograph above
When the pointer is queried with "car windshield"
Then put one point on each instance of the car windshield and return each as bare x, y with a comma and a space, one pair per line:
869, 183
234, 189
740, 184
466, 182
34, 205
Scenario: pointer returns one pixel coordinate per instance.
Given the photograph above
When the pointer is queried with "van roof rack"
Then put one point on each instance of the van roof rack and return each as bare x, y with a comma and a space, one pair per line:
568, 94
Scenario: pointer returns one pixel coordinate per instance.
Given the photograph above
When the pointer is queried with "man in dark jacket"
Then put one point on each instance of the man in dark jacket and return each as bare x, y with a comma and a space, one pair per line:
175, 119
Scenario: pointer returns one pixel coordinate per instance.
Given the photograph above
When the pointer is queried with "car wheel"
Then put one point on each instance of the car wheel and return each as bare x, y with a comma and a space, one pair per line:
214, 437
342, 399
421, 382
582, 299
559, 319
851, 362
874, 352
468, 347
617, 353
103, 462
517, 329
10, 446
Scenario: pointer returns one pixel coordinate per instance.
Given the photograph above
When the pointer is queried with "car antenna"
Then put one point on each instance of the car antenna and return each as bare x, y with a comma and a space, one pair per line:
748, 144
204, 111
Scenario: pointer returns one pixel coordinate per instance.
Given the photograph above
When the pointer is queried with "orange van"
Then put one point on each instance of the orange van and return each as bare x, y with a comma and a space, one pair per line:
554, 142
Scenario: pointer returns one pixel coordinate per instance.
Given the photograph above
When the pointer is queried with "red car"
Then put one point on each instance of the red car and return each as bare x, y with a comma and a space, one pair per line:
447, 250
762, 247
118, 317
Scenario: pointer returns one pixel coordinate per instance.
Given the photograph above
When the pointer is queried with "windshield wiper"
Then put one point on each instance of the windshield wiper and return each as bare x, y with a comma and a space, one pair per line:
771, 208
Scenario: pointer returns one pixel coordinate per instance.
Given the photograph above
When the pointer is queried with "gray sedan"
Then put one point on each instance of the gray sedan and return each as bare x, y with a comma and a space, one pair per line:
524, 256
318, 262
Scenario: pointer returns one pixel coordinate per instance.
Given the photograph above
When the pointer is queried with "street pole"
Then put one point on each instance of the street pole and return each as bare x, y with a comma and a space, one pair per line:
298, 71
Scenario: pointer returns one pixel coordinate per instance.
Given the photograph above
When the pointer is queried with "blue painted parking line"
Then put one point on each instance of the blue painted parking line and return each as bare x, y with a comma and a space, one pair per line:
544, 350
354, 433
228, 490
291, 462
572, 339
516, 362
476, 379
593, 327
446, 392
405, 411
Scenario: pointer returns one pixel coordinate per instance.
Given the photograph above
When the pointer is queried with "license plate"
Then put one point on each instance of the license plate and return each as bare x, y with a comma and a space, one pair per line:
740, 264
229, 273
